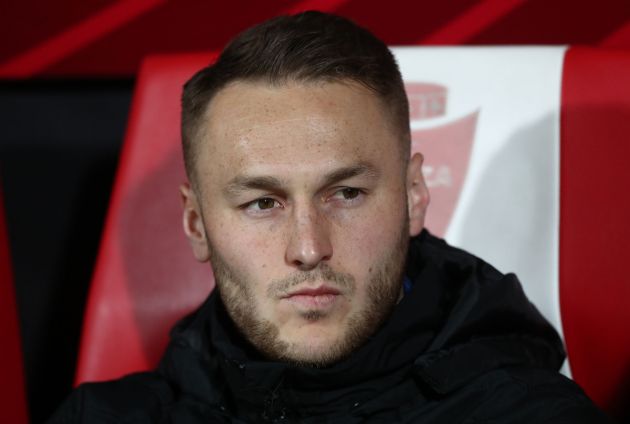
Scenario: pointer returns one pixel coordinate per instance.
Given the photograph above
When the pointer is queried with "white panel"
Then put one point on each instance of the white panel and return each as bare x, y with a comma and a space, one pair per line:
507, 210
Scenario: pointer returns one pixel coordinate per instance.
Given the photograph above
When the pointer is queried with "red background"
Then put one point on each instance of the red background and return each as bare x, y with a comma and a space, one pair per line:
78, 38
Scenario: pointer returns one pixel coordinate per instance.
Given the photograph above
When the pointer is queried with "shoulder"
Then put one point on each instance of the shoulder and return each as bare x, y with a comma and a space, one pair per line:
137, 398
454, 263
534, 395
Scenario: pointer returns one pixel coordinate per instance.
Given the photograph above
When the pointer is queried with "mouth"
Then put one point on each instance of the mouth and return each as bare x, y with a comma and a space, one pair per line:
321, 297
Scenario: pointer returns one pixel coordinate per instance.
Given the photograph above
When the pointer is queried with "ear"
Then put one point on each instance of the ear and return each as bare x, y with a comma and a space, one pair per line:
417, 194
193, 223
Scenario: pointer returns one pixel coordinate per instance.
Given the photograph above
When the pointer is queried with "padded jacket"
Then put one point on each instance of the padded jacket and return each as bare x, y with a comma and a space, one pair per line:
464, 345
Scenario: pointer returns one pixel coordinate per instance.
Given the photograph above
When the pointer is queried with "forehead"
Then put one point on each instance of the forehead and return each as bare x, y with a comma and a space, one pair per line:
251, 125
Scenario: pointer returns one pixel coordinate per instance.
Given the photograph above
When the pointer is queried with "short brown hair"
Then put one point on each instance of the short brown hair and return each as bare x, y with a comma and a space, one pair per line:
310, 46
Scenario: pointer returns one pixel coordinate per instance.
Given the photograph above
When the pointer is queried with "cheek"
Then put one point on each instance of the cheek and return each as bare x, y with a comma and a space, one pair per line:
251, 250
367, 236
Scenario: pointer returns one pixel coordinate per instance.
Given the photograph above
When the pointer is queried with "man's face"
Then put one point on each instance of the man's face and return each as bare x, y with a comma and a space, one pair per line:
302, 204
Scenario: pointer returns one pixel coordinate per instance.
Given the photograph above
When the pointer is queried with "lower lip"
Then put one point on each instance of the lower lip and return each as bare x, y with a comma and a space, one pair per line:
320, 301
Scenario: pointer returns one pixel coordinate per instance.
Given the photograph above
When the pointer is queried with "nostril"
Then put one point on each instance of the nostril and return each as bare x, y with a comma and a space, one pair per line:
304, 266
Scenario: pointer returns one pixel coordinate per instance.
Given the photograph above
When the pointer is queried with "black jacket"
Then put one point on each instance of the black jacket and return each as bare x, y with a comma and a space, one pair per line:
463, 346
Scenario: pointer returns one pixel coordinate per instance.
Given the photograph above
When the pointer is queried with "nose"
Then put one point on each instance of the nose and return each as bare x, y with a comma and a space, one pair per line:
309, 241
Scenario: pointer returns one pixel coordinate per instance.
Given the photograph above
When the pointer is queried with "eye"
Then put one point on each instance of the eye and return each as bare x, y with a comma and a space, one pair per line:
265, 203
262, 204
348, 195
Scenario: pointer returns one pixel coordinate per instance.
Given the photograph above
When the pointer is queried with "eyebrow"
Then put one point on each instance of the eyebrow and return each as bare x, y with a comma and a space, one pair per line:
349, 172
242, 183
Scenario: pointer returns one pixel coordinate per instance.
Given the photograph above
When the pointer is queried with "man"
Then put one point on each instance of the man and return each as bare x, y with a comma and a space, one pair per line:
332, 304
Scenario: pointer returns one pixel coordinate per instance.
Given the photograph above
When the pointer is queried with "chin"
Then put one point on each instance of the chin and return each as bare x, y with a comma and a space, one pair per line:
317, 349
312, 357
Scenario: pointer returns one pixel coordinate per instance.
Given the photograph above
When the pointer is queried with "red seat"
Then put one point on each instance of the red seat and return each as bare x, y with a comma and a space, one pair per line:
12, 393
146, 277
594, 231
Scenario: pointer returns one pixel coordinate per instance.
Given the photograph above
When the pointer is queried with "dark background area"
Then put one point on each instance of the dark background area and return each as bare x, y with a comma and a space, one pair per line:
60, 145
66, 78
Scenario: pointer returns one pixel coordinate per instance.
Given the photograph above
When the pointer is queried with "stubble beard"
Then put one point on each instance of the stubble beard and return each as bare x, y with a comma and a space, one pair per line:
383, 292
